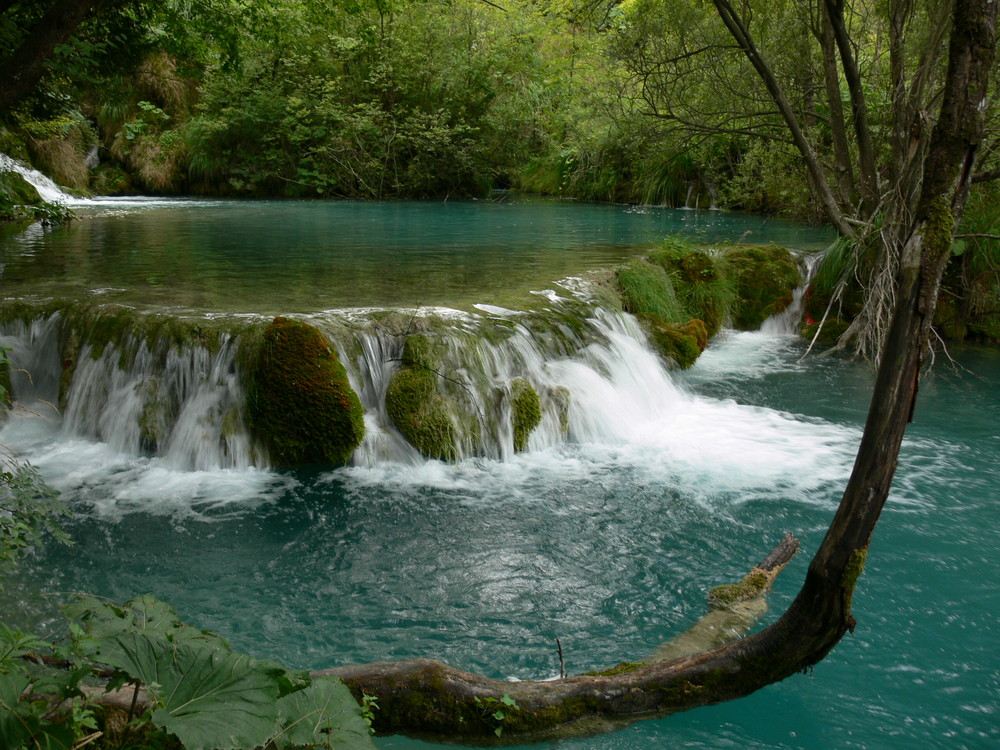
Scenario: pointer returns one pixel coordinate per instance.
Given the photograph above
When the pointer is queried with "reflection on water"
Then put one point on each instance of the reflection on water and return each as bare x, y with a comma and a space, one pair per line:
269, 257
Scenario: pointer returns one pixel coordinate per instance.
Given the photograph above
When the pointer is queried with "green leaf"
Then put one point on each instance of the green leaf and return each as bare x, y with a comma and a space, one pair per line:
102, 620
211, 701
12, 728
209, 697
325, 713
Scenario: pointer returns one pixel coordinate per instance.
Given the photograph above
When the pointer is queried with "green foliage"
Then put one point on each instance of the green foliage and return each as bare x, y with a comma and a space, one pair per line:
646, 289
765, 277
20, 201
700, 282
200, 692
29, 510
969, 305
495, 711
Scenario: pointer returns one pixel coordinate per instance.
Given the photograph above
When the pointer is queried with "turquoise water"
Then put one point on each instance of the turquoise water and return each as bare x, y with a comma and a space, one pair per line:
611, 547
608, 541
300, 256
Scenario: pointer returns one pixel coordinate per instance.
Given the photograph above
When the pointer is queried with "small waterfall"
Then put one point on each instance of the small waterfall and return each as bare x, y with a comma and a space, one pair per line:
588, 369
47, 189
35, 364
787, 322
185, 405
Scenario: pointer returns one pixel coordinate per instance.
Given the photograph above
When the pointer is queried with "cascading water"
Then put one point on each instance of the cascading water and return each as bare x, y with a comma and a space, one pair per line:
179, 408
789, 320
47, 189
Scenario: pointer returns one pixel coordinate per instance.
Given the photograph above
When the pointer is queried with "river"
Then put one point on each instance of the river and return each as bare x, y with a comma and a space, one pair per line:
607, 538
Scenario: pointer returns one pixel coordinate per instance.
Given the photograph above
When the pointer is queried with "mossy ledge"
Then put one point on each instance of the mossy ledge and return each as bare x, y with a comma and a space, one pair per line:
299, 401
765, 277
414, 405
526, 412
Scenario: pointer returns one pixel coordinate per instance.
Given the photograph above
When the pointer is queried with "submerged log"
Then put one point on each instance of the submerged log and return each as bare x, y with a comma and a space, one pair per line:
430, 699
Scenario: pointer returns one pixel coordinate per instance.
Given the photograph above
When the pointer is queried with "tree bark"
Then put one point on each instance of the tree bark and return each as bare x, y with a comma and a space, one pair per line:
427, 698
859, 106
739, 31
24, 68
838, 132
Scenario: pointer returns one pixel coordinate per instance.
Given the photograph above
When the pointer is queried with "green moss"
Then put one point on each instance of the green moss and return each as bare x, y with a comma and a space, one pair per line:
832, 330
752, 585
154, 419
623, 667
699, 281
18, 190
526, 412
939, 231
681, 344
765, 277
299, 401
561, 398
852, 572
420, 414
646, 289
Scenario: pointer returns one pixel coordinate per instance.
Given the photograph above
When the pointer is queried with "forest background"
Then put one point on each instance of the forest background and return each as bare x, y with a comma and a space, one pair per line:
641, 101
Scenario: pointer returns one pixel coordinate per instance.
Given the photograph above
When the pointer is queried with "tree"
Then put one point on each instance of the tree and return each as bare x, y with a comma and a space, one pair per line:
857, 118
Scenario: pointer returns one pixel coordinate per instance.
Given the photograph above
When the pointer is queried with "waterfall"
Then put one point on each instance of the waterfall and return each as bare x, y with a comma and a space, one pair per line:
47, 189
787, 322
178, 400
183, 404
182, 401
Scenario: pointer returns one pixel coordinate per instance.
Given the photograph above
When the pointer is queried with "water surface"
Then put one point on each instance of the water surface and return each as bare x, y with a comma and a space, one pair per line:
274, 257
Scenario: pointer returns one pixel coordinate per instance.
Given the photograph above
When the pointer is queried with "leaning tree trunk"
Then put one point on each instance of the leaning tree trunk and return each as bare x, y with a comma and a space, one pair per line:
428, 698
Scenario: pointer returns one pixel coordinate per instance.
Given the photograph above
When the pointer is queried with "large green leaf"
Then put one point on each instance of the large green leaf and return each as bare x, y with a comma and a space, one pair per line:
25, 725
209, 697
13, 730
101, 619
213, 701
325, 713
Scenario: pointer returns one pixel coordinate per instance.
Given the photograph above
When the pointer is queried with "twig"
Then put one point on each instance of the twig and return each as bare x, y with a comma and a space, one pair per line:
562, 663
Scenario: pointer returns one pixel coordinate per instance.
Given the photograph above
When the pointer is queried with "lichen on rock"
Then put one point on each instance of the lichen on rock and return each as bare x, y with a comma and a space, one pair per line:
299, 401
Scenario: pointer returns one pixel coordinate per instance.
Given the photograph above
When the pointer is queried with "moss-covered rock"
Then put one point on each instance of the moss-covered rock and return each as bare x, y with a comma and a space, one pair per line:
646, 289
525, 412
680, 343
765, 277
299, 401
18, 190
419, 412
699, 282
